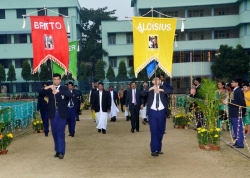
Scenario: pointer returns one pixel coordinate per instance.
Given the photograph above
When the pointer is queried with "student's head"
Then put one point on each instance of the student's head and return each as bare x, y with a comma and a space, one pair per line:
246, 87
197, 81
156, 80
243, 82
221, 85
70, 86
236, 82
56, 79
96, 85
162, 77
100, 86
228, 86
111, 88
66, 85
75, 87
133, 85
128, 86
145, 85
45, 85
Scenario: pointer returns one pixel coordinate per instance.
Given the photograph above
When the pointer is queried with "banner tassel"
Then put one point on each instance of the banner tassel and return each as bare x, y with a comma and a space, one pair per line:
175, 42
68, 25
24, 22
182, 26
78, 47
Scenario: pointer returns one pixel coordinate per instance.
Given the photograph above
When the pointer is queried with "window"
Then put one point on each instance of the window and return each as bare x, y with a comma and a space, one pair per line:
112, 38
172, 13
5, 39
2, 14
221, 34
222, 13
36, 86
21, 87
196, 36
129, 38
195, 13
5, 63
113, 61
22, 38
41, 13
19, 63
20, 13
63, 11
130, 61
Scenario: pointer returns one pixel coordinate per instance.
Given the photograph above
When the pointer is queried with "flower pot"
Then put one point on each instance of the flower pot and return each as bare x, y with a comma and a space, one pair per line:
176, 126
41, 131
35, 131
186, 127
212, 146
4, 152
216, 148
207, 147
181, 127
201, 146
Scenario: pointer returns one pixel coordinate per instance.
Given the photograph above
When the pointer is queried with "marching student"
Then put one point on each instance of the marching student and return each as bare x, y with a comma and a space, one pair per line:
79, 102
114, 102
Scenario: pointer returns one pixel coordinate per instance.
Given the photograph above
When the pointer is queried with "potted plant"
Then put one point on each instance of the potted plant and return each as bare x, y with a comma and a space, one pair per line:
200, 138
205, 139
35, 126
41, 126
5, 141
175, 121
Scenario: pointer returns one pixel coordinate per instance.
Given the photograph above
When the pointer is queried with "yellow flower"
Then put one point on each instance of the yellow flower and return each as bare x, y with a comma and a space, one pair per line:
216, 136
191, 115
35, 123
199, 131
218, 129
199, 128
41, 122
203, 130
211, 130
188, 122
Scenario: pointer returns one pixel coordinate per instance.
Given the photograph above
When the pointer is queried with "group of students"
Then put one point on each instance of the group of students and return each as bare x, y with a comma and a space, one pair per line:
60, 105
235, 103
152, 101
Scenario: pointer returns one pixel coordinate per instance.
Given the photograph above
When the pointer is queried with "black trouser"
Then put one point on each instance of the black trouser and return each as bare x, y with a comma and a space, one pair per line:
199, 119
122, 103
134, 111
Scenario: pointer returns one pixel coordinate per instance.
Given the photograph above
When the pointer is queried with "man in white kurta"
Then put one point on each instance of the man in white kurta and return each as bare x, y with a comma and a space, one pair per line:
101, 117
114, 100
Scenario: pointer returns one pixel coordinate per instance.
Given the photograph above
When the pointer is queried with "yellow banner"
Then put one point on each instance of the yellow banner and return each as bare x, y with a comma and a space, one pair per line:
153, 40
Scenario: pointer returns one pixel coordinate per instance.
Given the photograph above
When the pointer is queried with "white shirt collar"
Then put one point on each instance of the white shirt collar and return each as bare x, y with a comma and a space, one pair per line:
235, 88
198, 85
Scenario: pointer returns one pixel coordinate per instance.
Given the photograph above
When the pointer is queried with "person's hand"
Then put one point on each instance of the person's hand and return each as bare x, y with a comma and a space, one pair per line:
92, 110
161, 90
48, 87
152, 88
141, 106
127, 108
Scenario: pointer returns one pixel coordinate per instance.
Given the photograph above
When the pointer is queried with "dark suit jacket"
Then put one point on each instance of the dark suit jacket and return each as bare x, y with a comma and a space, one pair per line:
145, 100
42, 105
239, 100
125, 95
115, 97
168, 86
91, 95
197, 95
75, 99
163, 96
61, 101
106, 101
129, 98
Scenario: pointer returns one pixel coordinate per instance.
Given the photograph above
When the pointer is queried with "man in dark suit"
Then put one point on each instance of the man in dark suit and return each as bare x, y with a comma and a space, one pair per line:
114, 104
157, 107
73, 107
237, 98
101, 104
125, 97
134, 102
79, 102
42, 106
58, 113
198, 114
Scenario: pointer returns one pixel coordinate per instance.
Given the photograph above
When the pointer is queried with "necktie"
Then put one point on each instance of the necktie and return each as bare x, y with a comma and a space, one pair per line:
56, 88
157, 101
135, 98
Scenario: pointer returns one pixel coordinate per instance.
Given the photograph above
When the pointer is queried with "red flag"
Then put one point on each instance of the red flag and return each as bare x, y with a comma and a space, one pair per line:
50, 41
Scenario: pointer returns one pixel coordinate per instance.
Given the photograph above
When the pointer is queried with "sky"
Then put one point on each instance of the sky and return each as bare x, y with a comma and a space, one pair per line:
123, 7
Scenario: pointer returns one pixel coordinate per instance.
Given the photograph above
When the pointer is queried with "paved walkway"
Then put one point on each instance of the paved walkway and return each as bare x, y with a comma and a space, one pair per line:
119, 153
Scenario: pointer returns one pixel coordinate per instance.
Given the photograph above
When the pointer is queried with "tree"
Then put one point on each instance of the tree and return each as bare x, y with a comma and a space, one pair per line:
26, 72
82, 71
11, 75
99, 70
232, 62
35, 77
110, 73
91, 41
122, 71
44, 73
2, 74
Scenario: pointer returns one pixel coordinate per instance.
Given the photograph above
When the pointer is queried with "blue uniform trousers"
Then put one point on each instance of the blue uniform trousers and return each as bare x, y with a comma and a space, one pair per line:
77, 115
45, 119
58, 126
238, 134
157, 122
71, 120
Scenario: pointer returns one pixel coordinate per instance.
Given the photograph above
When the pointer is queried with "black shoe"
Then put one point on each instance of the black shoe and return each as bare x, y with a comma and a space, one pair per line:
114, 119
46, 135
237, 146
159, 152
99, 130
103, 131
77, 119
154, 154
132, 130
137, 130
61, 156
234, 145
111, 120
127, 118
165, 132
56, 155
144, 122
72, 135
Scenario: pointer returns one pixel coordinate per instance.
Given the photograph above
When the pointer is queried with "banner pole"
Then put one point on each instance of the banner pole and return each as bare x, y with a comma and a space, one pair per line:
52, 80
